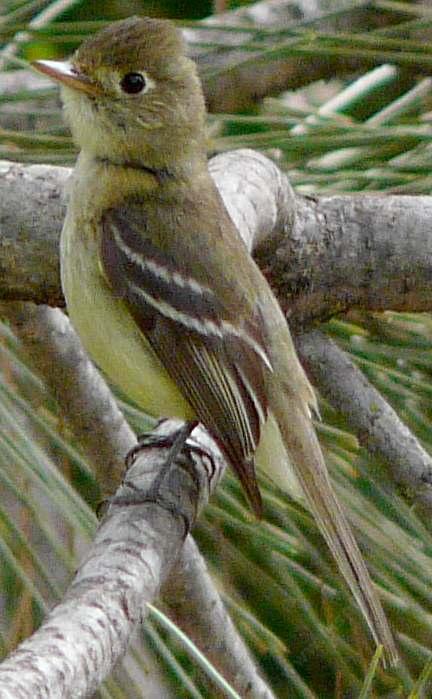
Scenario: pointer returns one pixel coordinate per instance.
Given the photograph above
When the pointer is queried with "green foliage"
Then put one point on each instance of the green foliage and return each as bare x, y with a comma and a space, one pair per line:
365, 131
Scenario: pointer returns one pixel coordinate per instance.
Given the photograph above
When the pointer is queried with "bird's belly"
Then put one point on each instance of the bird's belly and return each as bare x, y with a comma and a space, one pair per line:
111, 336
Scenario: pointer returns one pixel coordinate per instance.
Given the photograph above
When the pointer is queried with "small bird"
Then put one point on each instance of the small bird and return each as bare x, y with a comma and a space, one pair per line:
162, 290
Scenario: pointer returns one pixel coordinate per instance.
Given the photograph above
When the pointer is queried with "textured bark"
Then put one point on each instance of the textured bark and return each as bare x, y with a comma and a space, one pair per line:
31, 217
92, 414
262, 204
133, 552
376, 424
371, 252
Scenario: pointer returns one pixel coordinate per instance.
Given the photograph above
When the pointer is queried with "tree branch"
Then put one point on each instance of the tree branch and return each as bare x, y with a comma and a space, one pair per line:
87, 404
388, 255
31, 217
372, 252
229, 73
376, 424
134, 550
209, 624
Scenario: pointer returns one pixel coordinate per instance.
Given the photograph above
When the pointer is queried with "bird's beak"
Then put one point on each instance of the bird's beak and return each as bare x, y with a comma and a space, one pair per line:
65, 73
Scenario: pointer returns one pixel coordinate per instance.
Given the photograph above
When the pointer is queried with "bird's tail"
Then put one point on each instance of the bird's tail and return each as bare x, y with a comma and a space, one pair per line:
291, 399
301, 443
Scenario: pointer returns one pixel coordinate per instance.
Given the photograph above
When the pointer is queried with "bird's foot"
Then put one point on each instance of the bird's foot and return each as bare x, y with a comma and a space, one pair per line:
176, 443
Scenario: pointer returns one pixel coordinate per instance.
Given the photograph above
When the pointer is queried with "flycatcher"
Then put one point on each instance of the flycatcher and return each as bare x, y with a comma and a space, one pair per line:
163, 292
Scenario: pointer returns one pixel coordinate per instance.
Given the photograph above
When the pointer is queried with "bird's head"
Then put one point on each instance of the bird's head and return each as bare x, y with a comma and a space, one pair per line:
131, 95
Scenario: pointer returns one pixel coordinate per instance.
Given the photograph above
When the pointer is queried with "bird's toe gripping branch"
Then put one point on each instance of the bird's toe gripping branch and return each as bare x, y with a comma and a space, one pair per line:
167, 471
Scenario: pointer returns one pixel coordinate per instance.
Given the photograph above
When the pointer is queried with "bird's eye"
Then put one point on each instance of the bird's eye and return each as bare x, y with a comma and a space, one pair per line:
133, 83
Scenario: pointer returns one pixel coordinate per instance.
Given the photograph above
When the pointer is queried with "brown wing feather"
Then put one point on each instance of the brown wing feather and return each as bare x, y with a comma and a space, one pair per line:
217, 366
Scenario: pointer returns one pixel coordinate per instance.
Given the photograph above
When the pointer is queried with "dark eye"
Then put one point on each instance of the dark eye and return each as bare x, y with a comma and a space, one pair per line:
132, 83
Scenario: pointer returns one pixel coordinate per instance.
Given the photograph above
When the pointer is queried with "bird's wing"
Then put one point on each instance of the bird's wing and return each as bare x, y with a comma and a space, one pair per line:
217, 362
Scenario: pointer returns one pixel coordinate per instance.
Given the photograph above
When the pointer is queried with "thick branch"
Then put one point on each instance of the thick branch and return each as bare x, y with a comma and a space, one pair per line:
133, 552
373, 252
31, 217
92, 413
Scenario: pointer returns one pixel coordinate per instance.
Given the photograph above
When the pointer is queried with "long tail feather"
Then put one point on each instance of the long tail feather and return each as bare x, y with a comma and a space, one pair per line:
305, 454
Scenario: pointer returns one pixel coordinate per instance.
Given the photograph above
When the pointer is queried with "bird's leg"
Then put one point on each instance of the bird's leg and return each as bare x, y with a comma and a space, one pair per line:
176, 442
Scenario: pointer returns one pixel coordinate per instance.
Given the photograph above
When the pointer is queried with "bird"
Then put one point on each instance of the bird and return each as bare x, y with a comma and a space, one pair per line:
163, 292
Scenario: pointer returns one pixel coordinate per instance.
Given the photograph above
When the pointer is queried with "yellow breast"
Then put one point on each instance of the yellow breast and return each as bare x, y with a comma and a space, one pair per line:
107, 330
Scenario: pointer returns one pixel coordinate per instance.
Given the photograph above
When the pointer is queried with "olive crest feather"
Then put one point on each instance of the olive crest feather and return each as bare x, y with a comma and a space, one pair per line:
153, 44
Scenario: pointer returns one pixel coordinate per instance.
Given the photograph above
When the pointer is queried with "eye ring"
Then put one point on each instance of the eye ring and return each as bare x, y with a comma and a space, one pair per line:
133, 83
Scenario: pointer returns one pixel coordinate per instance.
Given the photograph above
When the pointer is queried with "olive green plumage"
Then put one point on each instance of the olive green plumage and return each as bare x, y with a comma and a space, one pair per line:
163, 292
130, 43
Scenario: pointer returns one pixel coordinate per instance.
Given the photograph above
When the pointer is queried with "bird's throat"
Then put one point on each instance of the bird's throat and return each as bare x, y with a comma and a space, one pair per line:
162, 174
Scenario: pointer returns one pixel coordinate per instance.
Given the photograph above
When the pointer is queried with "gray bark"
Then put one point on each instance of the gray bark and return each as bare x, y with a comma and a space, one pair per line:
263, 206
370, 252
92, 414
134, 551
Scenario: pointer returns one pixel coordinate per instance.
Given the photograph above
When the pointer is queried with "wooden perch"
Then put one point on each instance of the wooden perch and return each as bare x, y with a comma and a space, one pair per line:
89, 408
133, 553
323, 255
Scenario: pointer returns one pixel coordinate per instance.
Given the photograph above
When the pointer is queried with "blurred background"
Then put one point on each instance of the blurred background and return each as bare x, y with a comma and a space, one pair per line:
339, 94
